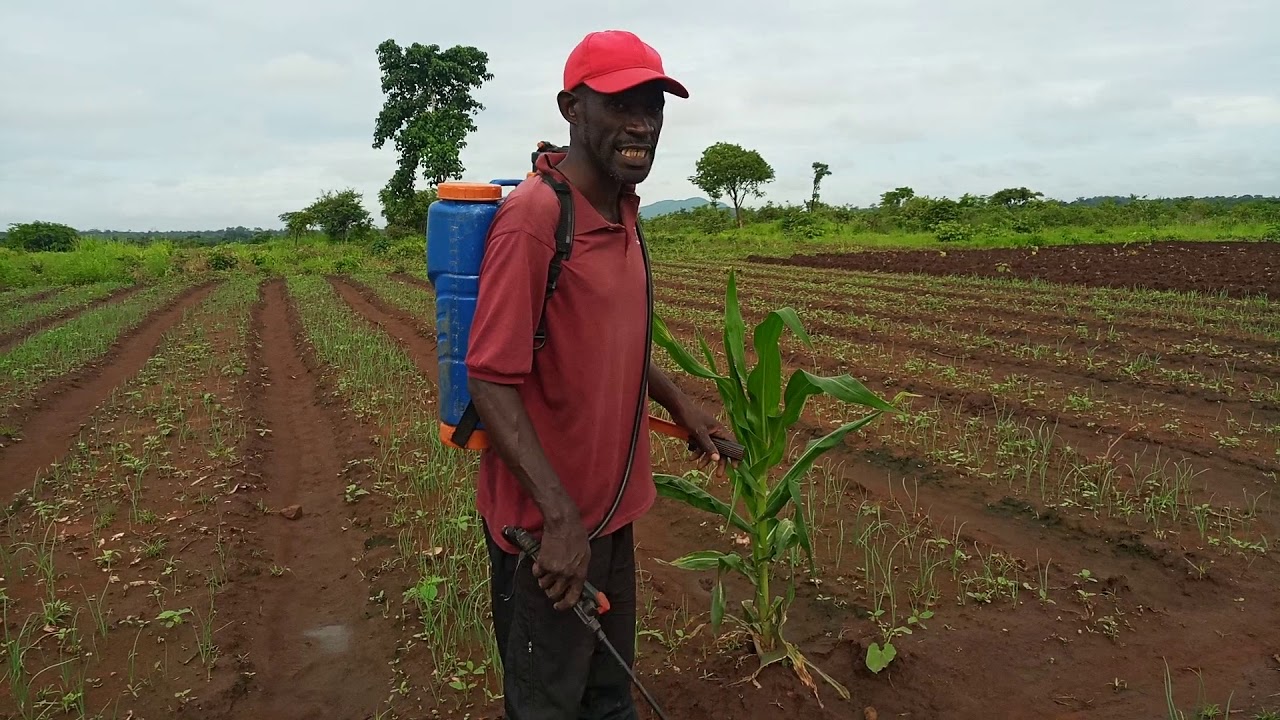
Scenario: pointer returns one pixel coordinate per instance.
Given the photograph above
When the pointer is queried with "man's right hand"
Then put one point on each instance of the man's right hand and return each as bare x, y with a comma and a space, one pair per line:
562, 563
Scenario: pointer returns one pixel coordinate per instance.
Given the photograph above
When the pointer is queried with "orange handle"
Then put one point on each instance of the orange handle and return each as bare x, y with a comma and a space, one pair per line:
669, 429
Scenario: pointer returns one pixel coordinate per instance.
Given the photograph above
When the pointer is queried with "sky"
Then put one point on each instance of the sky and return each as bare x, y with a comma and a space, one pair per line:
184, 115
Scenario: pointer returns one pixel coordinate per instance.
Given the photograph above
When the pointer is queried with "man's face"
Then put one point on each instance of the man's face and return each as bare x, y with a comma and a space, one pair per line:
621, 131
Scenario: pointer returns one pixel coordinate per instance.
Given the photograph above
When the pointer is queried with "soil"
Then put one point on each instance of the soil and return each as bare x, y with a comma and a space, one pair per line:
301, 636
50, 422
1233, 268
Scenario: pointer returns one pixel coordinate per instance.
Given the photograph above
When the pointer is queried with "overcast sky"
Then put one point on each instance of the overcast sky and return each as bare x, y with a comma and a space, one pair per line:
183, 115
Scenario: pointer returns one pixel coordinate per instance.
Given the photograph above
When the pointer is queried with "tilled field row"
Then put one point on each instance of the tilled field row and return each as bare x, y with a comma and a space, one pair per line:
1242, 383
1255, 324
118, 555
25, 318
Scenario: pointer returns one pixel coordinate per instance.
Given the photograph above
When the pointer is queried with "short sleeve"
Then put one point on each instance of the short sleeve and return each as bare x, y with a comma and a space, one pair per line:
513, 278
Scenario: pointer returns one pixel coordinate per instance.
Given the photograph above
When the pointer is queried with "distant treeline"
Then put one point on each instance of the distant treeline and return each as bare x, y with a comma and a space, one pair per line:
1011, 211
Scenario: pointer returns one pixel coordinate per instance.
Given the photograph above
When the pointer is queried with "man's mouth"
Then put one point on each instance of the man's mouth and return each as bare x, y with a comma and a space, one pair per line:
634, 153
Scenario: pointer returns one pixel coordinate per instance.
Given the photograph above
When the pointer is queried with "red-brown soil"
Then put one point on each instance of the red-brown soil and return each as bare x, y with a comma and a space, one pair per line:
313, 646
1233, 268
300, 634
51, 420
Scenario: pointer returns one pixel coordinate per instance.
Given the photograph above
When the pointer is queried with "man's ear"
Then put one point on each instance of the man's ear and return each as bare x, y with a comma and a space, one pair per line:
568, 102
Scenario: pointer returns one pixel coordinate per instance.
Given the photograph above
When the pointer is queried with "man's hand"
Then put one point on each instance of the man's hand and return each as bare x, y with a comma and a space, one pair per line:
701, 426
563, 558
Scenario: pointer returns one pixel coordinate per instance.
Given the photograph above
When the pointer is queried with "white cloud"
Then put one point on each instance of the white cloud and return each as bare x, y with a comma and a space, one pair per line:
211, 114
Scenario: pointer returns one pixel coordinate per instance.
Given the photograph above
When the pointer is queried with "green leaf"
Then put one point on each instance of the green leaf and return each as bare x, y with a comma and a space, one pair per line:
879, 659
678, 488
844, 388
789, 487
782, 538
700, 560
735, 333
663, 338
717, 606
765, 381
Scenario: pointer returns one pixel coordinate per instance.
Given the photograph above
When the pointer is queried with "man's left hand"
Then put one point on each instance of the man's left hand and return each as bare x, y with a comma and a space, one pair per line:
701, 426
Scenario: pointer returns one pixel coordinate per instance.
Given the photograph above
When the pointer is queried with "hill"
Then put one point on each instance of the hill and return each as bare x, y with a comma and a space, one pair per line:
666, 207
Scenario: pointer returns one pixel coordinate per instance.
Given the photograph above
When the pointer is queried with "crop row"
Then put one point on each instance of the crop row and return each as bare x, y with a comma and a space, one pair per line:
94, 551
20, 314
438, 539
84, 338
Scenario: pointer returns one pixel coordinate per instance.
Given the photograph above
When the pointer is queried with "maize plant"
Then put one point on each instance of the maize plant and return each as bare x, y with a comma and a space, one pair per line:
770, 513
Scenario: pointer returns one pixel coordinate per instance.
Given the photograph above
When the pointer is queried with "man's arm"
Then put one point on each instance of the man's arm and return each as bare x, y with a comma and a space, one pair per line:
687, 414
565, 552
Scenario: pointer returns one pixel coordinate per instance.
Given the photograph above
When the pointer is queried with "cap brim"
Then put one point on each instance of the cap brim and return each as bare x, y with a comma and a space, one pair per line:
620, 80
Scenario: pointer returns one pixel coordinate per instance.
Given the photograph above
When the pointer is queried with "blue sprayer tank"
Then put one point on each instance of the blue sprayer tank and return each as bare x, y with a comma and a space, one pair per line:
457, 227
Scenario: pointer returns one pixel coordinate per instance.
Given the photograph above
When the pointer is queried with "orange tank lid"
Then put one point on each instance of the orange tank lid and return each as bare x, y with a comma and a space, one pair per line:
473, 191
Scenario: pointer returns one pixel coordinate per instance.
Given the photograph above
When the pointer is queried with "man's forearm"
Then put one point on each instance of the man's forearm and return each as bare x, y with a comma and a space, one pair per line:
512, 434
664, 391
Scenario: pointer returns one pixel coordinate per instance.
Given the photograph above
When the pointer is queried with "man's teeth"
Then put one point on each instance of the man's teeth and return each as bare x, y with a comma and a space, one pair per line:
633, 153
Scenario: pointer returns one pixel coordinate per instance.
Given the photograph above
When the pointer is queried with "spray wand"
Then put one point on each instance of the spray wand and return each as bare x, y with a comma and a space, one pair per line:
591, 604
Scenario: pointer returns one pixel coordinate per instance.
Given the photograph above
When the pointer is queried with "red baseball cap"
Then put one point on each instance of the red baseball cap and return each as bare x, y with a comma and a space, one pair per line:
611, 61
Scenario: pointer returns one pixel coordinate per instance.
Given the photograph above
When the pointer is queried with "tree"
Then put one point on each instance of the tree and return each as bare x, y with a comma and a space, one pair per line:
893, 199
339, 215
1011, 197
729, 169
42, 236
427, 113
406, 217
820, 171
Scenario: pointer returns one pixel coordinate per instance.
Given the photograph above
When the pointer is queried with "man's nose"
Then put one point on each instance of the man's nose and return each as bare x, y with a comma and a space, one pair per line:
640, 125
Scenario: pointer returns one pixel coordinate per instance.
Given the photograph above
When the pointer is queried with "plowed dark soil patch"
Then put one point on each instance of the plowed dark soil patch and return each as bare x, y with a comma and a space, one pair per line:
10, 339
316, 649
50, 422
1234, 268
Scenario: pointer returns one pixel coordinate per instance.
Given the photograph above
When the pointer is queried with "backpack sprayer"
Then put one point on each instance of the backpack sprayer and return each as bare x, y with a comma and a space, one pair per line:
591, 604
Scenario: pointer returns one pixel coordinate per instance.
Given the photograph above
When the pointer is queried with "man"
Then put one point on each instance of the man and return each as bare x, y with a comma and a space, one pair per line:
561, 418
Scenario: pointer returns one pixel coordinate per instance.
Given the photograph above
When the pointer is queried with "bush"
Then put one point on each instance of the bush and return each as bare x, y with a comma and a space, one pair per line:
952, 231
1272, 233
801, 224
221, 259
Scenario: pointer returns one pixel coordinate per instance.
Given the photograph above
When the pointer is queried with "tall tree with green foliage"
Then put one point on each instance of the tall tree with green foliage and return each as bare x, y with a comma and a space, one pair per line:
1014, 197
339, 215
820, 171
729, 169
427, 114
42, 236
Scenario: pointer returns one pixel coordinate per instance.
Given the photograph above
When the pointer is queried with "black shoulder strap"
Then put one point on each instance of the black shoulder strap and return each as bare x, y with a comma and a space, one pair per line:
564, 247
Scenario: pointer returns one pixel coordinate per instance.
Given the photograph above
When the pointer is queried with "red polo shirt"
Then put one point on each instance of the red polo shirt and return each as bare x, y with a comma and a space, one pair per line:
581, 388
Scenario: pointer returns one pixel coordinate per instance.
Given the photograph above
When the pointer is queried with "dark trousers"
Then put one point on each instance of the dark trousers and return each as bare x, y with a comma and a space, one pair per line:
554, 667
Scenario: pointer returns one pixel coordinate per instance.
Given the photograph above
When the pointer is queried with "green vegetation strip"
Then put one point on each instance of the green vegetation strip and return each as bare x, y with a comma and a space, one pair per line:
439, 534
129, 480
59, 350
21, 314
415, 300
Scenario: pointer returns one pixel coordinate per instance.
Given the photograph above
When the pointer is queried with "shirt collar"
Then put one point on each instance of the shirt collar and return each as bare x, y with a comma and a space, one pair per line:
586, 217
